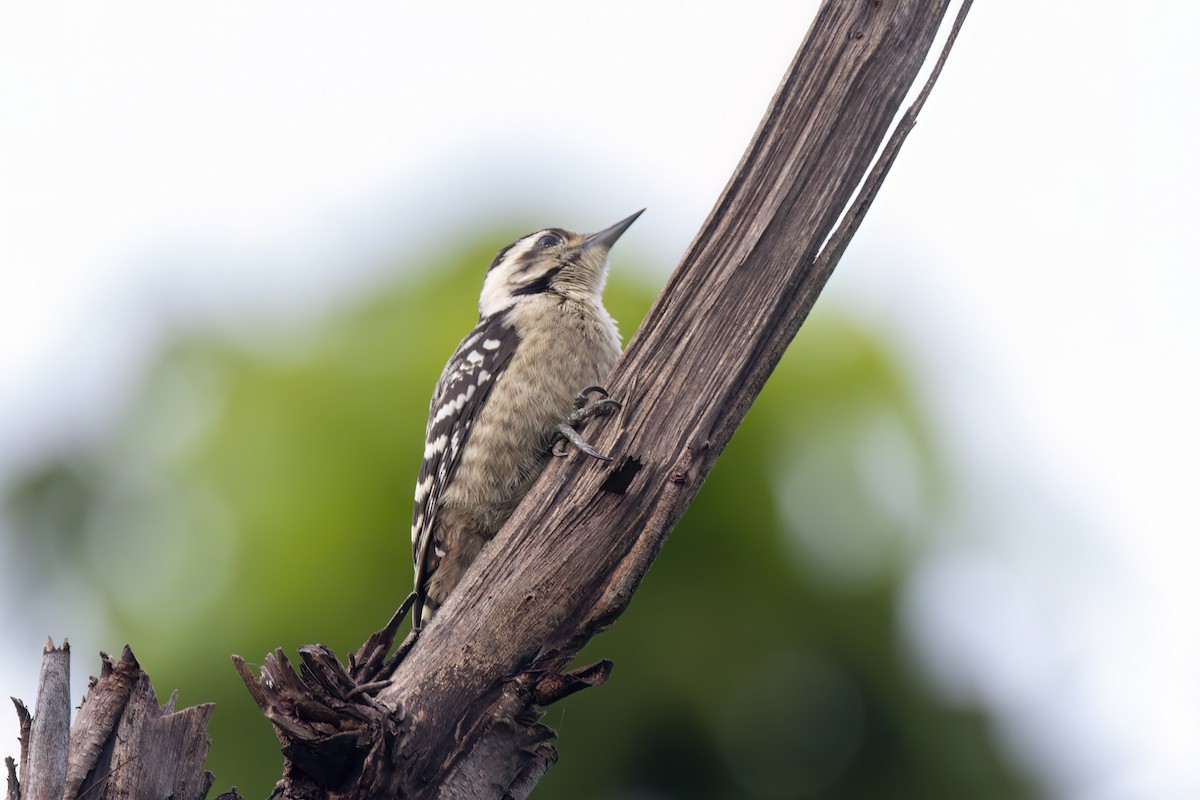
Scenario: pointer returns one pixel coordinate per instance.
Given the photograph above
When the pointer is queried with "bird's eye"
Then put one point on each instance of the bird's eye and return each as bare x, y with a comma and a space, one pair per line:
549, 240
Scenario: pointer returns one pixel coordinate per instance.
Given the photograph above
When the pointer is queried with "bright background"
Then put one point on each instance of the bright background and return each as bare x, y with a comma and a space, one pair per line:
240, 166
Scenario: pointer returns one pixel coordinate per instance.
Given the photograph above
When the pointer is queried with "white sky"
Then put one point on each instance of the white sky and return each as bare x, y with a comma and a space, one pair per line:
1031, 247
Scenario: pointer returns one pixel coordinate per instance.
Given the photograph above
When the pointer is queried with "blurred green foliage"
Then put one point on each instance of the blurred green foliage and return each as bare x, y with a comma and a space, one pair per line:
257, 494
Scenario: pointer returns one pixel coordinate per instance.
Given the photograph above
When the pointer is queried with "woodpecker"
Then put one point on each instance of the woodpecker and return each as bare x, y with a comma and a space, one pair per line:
513, 391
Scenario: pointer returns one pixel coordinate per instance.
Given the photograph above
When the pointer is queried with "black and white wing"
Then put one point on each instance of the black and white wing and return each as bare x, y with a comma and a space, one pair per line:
457, 402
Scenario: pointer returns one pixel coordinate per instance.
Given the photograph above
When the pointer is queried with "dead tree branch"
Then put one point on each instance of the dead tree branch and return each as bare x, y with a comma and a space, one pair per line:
459, 718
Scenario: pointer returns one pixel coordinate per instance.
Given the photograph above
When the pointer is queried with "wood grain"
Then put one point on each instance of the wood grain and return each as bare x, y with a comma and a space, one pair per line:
568, 562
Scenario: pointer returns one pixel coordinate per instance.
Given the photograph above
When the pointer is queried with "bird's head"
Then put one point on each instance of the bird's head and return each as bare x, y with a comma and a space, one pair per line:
550, 261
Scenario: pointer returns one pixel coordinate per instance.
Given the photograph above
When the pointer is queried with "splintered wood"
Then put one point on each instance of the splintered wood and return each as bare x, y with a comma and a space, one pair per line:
122, 745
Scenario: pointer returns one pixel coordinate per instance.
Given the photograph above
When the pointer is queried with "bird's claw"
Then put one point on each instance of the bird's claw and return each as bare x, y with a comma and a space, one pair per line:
584, 410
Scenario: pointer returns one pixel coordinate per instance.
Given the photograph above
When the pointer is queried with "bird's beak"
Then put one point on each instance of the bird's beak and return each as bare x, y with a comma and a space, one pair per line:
607, 237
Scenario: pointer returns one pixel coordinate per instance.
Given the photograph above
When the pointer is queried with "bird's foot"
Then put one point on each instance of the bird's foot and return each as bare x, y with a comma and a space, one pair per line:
585, 409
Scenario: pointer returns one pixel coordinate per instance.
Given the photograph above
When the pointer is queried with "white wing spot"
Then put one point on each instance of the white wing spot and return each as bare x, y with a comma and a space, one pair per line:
436, 446
446, 410
455, 405
474, 357
423, 488
491, 344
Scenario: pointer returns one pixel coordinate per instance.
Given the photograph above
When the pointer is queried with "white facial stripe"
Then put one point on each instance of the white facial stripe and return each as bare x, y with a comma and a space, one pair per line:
491, 299
496, 295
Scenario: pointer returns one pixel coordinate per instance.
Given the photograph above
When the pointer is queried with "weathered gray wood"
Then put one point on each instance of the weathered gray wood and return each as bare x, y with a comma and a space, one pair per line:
10, 767
158, 752
460, 718
25, 722
50, 731
122, 744
98, 715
